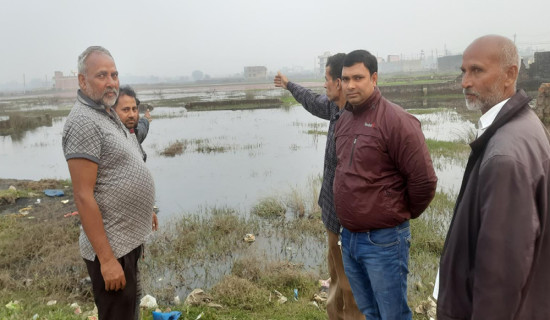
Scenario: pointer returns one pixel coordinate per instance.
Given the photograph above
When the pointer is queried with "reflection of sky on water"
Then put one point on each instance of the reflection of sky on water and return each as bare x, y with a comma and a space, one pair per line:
445, 125
210, 95
269, 154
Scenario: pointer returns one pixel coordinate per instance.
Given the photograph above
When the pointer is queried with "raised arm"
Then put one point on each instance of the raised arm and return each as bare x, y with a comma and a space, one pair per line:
316, 104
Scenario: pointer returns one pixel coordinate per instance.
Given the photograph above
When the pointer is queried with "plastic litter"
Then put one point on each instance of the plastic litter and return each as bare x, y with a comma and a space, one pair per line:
37, 201
148, 302
325, 284
296, 294
13, 305
65, 201
70, 214
176, 300
197, 297
25, 211
282, 299
54, 192
173, 315
249, 237
51, 303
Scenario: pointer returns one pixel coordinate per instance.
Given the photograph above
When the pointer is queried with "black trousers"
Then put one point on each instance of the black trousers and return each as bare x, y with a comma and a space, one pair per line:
121, 304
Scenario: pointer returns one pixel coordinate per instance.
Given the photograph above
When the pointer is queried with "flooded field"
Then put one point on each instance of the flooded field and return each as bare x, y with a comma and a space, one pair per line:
231, 161
249, 153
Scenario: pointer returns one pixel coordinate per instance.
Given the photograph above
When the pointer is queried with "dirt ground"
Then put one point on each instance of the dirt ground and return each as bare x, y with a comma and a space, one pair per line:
46, 204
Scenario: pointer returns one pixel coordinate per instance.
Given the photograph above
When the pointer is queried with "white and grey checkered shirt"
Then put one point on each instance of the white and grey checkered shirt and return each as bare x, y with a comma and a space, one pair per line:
124, 190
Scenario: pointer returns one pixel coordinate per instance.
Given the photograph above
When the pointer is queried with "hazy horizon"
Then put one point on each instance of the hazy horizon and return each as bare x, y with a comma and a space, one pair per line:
171, 39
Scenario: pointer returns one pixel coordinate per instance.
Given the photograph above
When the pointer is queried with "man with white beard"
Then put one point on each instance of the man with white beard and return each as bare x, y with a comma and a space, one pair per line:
496, 256
113, 189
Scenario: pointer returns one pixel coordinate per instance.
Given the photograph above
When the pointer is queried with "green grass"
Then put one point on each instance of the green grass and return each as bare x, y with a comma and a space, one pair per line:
447, 149
269, 207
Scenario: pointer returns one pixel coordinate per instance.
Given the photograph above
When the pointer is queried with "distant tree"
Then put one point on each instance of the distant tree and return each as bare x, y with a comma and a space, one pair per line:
197, 75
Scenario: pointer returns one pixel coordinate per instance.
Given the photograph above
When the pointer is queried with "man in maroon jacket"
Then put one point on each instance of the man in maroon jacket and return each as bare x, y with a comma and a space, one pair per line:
496, 259
384, 177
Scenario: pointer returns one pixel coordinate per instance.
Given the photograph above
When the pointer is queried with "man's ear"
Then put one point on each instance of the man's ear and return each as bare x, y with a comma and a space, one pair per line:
511, 75
82, 81
374, 78
338, 83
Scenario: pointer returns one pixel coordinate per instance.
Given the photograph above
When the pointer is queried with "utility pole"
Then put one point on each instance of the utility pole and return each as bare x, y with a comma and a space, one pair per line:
24, 86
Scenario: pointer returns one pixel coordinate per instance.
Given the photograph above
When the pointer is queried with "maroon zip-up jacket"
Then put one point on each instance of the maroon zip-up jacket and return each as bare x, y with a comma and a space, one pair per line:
384, 174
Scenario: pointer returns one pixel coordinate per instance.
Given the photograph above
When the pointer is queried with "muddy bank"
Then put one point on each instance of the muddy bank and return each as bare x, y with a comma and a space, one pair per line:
16, 195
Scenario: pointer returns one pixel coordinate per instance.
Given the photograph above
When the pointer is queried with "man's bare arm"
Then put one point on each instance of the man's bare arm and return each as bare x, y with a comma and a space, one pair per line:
83, 176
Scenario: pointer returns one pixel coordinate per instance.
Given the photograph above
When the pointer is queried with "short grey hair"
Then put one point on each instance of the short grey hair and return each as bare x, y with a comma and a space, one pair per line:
509, 56
86, 53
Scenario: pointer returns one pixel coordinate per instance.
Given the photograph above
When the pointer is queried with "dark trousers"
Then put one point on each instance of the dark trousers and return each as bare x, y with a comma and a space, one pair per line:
121, 304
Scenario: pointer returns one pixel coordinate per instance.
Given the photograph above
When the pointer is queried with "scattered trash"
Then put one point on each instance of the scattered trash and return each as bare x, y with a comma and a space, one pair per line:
148, 302
249, 237
199, 316
176, 300
282, 299
427, 307
12, 188
54, 192
37, 201
320, 297
51, 303
35, 316
325, 284
70, 214
173, 315
25, 211
315, 304
65, 201
296, 294
13, 305
76, 308
197, 297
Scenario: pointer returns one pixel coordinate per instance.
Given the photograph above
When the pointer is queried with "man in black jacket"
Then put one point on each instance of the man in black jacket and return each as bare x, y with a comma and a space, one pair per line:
496, 256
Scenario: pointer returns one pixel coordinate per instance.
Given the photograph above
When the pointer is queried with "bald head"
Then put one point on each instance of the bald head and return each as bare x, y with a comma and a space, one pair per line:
504, 49
490, 69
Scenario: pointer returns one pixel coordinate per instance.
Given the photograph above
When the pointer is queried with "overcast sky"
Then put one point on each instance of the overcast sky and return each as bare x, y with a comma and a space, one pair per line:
172, 38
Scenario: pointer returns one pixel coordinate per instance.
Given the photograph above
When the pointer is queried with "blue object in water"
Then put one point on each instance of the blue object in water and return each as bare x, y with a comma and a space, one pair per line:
54, 192
174, 315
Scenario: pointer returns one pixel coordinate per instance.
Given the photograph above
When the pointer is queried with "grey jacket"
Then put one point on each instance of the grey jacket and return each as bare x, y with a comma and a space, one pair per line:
496, 259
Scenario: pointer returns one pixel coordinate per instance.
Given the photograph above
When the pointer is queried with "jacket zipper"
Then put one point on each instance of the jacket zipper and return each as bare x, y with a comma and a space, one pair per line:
352, 150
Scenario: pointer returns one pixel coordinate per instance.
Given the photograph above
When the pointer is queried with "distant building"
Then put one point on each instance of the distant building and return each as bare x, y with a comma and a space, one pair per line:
449, 63
540, 69
255, 72
393, 58
323, 62
65, 82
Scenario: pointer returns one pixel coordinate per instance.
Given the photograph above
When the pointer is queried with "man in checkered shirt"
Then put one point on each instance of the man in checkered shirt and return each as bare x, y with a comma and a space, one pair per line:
113, 190
340, 302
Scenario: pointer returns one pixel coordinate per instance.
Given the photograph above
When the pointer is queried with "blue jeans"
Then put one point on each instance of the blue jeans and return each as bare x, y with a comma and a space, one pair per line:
376, 264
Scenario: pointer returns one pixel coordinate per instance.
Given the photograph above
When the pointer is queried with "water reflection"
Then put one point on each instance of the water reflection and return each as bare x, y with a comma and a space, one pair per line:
269, 151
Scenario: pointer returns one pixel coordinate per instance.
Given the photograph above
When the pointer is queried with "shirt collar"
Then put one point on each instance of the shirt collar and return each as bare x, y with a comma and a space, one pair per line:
488, 117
